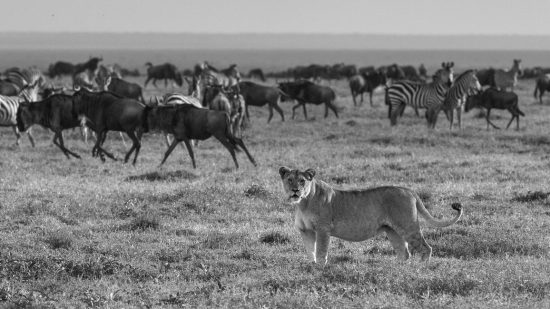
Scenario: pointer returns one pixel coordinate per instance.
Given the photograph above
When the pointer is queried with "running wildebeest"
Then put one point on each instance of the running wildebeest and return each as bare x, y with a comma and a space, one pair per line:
55, 113
486, 77
61, 68
256, 73
106, 111
499, 99
366, 82
166, 71
305, 91
259, 95
126, 89
186, 122
542, 85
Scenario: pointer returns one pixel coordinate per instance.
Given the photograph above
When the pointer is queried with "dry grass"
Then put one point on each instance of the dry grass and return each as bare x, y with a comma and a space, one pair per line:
77, 233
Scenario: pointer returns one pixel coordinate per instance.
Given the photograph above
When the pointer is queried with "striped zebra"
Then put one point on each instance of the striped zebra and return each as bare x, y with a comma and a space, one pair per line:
9, 106
429, 96
466, 84
226, 78
20, 78
507, 79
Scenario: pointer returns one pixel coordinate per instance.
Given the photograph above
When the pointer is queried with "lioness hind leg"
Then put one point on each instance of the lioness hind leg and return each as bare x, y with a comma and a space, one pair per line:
418, 244
398, 243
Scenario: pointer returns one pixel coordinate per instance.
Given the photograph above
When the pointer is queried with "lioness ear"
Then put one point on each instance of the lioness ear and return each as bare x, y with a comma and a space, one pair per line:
310, 173
283, 171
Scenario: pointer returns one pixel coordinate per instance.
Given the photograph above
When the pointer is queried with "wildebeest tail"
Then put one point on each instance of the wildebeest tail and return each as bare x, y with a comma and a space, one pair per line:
519, 111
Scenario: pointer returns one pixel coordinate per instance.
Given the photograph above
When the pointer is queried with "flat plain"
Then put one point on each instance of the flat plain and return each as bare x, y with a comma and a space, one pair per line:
82, 233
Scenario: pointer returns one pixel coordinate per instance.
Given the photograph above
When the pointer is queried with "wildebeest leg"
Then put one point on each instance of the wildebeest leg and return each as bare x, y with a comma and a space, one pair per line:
136, 146
362, 98
353, 95
277, 107
370, 98
332, 107
541, 92
190, 150
155, 82
100, 139
169, 151
294, 109
489, 121
270, 113
305, 111
510, 122
17, 135
58, 141
146, 81
230, 147
240, 142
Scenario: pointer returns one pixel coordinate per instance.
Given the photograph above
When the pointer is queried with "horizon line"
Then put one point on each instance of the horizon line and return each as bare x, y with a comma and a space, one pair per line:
276, 33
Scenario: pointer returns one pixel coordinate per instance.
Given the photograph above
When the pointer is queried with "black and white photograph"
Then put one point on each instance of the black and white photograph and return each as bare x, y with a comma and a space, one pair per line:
275, 154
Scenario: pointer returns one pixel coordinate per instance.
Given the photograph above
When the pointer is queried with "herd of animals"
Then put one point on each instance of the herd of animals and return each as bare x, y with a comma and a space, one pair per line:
216, 102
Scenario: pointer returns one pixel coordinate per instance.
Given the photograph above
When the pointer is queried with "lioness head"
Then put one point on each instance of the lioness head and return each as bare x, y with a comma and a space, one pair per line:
297, 184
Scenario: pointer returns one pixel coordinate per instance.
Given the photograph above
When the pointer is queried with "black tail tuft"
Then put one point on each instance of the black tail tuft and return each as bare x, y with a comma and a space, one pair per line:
456, 206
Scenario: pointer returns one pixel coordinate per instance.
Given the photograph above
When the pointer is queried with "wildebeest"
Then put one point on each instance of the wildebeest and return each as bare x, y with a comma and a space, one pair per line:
305, 91
393, 72
542, 85
256, 73
259, 95
499, 99
186, 122
55, 113
106, 111
507, 79
126, 89
312, 71
366, 82
84, 79
61, 68
486, 77
166, 71
411, 73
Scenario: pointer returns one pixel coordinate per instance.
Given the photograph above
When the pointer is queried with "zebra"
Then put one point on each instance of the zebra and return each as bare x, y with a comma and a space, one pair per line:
504, 79
103, 78
429, 96
226, 78
9, 106
466, 84
21, 78
84, 79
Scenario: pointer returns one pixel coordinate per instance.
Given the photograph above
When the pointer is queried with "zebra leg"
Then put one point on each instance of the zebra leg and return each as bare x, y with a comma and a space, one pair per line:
451, 117
17, 135
31, 138
459, 117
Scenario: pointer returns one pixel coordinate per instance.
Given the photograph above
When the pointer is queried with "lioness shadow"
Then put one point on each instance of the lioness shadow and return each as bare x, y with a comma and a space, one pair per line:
162, 176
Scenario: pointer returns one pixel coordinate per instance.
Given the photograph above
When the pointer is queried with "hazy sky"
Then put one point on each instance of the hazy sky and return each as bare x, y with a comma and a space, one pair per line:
280, 16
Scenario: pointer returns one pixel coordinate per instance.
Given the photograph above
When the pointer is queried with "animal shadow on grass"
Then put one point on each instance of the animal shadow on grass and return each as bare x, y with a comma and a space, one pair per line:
460, 244
536, 196
162, 176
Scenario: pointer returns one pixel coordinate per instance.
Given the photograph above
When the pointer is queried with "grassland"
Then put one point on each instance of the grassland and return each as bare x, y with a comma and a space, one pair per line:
81, 233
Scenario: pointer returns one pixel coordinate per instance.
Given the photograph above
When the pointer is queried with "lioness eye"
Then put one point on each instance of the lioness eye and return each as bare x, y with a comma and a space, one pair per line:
289, 180
302, 182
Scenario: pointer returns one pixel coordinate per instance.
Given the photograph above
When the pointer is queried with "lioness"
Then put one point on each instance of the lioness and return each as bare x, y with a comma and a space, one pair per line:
356, 215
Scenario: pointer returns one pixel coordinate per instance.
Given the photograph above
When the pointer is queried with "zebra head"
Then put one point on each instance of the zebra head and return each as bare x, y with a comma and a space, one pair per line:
445, 74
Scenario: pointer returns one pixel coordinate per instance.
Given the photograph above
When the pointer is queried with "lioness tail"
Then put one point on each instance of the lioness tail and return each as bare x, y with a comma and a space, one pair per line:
434, 222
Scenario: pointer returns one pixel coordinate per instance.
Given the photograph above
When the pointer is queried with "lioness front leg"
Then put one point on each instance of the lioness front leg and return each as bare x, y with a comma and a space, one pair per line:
308, 237
322, 240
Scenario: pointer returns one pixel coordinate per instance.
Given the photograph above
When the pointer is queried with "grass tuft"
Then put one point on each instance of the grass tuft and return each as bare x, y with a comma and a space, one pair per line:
59, 240
531, 197
162, 176
145, 221
257, 191
274, 238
